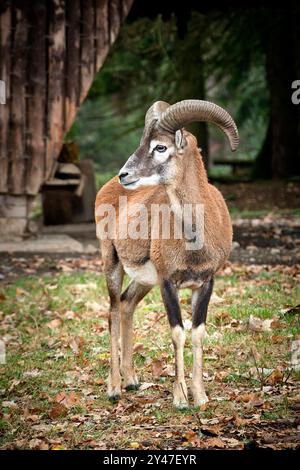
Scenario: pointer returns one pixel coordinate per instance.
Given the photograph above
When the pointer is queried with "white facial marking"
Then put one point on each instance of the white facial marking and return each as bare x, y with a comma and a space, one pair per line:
146, 274
160, 157
152, 180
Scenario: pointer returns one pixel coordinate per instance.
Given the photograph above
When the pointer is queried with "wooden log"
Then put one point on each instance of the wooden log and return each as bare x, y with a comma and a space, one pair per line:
56, 85
87, 48
101, 33
126, 5
36, 98
5, 64
115, 13
16, 151
72, 61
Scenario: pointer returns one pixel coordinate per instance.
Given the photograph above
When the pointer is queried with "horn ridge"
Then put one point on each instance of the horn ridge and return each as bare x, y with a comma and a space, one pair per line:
183, 112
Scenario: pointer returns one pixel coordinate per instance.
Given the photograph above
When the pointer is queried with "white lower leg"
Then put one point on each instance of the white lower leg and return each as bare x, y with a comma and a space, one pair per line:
180, 389
114, 378
129, 376
197, 381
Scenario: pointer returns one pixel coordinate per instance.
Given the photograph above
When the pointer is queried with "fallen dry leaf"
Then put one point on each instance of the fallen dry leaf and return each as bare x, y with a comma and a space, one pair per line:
138, 347
168, 371
69, 315
68, 400
275, 377
134, 445
76, 344
32, 373
53, 324
276, 339
209, 421
146, 385
215, 442
213, 430
58, 410
58, 447
215, 299
93, 306
20, 291
99, 382
246, 397
222, 318
257, 324
276, 323
157, 368
232, 442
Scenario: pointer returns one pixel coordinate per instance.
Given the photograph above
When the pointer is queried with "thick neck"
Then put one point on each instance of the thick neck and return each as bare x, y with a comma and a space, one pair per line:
191, 183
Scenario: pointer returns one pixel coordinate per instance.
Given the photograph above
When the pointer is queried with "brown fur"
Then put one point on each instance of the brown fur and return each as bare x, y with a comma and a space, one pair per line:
187, 184
191, 186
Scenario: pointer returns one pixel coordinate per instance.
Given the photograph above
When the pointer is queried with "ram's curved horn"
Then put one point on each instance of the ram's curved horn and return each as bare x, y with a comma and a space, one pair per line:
154, 112
183, 112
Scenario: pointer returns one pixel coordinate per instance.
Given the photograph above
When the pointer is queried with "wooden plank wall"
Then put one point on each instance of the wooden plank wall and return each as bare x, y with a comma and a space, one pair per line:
50, 51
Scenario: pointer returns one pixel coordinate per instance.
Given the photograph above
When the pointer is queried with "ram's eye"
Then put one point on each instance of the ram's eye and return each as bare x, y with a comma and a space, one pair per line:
160, 148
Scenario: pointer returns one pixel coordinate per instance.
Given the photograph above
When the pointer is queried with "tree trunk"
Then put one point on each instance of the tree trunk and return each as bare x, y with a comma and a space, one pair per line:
191, 85
262, 167
281, 72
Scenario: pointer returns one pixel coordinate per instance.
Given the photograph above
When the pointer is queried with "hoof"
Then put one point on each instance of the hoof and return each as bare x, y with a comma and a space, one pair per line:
200, 401
114, 398
182, 405
132, 387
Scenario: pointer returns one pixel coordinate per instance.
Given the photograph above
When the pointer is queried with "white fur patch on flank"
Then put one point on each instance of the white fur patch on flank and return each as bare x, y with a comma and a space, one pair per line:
145, 274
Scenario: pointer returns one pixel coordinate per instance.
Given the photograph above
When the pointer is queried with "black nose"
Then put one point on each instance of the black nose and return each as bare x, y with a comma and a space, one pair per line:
122, 176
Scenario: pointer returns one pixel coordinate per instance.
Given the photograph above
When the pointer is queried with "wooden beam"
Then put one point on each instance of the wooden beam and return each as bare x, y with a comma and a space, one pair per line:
16, 152
56, 85
72, 61
87, 48
114, 19
5, 64
36, 97
101, 32
126, 5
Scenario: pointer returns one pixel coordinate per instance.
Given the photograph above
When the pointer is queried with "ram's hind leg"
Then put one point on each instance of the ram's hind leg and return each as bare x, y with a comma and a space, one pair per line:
200, 301
114, 278
171, 302
129, 299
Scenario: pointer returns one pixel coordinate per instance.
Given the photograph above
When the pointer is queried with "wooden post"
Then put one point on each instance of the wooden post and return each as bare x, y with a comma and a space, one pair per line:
36, 98
16, 151
72, 61
87, 48
101, 32
5, 64
115, 12
56, 85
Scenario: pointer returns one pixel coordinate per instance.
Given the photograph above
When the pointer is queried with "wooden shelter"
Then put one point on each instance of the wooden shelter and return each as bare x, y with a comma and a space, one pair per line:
50, 51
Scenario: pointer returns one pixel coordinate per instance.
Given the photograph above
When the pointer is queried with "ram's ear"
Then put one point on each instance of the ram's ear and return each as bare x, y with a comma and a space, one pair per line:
180, 140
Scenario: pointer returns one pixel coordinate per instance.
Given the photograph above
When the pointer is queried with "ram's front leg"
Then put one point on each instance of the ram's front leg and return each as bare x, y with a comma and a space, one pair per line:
200, 301
129, 299
114, 278
171, 302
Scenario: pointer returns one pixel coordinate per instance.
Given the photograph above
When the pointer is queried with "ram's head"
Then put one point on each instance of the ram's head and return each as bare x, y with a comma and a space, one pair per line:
165, 142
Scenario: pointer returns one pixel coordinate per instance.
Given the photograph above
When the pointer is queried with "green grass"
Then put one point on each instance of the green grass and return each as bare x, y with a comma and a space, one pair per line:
57, 341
